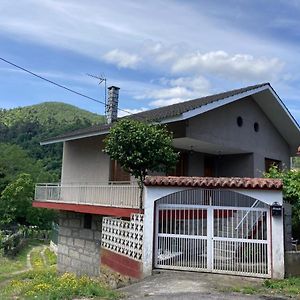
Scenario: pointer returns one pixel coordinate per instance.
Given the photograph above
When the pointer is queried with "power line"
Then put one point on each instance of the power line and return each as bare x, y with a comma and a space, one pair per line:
59, 85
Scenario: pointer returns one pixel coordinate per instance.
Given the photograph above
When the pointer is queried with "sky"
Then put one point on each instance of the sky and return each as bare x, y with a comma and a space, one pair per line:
157, 52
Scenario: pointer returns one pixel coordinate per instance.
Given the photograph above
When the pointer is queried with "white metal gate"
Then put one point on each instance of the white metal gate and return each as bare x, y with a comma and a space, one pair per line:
214, 231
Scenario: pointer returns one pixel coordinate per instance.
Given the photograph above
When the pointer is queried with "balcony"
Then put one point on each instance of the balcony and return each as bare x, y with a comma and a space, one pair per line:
112, 194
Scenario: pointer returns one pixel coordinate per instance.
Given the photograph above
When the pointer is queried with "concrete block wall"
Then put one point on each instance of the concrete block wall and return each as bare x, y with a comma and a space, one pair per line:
79, 248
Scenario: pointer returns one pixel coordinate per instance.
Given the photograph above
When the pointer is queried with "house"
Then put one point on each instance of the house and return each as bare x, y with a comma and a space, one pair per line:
214, 214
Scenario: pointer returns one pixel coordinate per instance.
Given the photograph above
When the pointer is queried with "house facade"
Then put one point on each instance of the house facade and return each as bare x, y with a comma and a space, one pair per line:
216, 218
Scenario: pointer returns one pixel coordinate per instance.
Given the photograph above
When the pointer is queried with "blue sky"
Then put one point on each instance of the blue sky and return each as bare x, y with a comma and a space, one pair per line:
157, 52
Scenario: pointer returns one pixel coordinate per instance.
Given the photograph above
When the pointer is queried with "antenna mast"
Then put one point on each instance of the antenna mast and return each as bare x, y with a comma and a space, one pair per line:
101, 79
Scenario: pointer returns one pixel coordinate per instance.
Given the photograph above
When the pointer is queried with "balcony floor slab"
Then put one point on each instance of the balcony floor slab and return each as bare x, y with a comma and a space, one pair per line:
88, 209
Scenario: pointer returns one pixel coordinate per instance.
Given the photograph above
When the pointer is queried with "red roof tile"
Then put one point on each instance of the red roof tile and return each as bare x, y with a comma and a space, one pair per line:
215, 182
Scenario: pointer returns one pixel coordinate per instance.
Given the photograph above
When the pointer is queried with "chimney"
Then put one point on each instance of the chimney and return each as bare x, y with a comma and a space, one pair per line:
112, 104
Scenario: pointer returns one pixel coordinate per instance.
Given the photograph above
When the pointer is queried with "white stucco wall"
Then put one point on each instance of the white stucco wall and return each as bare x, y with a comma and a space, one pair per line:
267, 196
85, 162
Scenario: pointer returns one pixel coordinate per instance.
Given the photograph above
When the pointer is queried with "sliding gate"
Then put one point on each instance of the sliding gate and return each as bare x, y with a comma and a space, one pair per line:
216, 231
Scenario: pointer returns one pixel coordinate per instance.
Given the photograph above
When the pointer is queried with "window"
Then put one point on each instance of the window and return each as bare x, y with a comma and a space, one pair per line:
181, 168
117, 173
87, 221
272, 162
239, 121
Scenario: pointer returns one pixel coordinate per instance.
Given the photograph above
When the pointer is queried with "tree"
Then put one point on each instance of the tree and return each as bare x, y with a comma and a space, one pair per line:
141, 148
16, 205
291, 192
15, 160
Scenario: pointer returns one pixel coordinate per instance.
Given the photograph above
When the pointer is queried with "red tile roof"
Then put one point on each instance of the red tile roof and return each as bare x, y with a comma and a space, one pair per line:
215, 182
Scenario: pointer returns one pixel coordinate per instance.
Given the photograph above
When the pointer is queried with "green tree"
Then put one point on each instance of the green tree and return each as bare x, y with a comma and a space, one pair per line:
14, 160
291, 192
16, 205
141, 148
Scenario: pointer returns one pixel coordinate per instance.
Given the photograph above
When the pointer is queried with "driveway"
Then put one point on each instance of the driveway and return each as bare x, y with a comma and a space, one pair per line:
168, 285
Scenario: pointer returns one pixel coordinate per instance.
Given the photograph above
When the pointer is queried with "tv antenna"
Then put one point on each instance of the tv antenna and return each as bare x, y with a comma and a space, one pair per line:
101, 79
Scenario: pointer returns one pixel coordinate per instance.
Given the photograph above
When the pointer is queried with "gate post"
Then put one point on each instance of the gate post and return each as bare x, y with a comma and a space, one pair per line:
277, 242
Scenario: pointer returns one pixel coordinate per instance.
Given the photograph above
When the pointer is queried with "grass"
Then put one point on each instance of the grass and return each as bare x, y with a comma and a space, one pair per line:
287, 287
43, 282
36, 259
46, 284
14, 264
50, 256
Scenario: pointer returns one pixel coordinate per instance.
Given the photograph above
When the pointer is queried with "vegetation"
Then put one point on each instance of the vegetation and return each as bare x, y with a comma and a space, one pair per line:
289, 287
23, 162
16, 205
50, 256
141, 148
10, 265
291, 193
42, 282
27, 126
295, 163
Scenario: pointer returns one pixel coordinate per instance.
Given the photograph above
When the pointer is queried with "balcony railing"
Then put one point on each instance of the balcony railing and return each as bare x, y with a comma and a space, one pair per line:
114, 194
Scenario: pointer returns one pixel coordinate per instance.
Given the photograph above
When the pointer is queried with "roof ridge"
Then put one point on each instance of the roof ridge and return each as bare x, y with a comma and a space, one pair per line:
248, 88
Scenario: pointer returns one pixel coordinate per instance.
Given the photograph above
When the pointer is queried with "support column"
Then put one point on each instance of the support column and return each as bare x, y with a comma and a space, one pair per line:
277, 247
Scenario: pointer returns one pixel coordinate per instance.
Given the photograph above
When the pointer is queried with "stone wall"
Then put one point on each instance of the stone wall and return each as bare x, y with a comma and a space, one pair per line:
292, 263
287, 226
79, 248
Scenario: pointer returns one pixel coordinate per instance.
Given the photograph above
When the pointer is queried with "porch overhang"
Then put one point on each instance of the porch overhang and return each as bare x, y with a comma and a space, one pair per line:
88, 209
215, 182
192, 144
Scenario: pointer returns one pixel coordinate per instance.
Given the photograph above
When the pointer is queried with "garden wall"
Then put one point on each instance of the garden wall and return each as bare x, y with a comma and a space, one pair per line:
78, 247
292, 263
122, 245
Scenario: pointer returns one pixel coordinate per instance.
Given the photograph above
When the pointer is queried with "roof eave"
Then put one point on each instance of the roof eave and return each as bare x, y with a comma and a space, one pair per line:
213, 105
75, 137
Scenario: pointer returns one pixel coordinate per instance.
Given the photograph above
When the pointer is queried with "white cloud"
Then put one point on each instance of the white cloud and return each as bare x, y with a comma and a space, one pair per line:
176, 90
122, 59
238, 66
198, 83
165, 102
159, 52
128, 111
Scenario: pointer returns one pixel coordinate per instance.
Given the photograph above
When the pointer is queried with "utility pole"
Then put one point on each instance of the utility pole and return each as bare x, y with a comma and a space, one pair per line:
101, 79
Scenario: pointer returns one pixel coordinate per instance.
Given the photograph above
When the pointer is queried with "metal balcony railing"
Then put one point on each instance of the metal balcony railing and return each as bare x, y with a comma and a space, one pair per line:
114, 194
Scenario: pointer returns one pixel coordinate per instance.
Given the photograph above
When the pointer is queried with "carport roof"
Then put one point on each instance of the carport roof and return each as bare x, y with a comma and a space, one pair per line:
215, 182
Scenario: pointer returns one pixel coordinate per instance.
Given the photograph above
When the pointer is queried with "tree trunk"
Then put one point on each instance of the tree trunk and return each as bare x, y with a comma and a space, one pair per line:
141, 186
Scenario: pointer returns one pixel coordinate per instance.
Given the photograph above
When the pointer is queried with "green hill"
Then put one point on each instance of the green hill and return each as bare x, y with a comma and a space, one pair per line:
27, 126
45, 112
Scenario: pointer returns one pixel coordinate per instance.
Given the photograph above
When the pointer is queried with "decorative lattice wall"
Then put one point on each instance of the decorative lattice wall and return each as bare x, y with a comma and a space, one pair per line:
124, 237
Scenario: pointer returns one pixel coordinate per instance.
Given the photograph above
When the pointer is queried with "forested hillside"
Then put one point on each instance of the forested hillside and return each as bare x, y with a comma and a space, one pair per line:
27, 126
23, 162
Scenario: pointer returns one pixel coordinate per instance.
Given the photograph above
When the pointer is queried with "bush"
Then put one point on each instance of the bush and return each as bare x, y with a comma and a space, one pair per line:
291, 193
